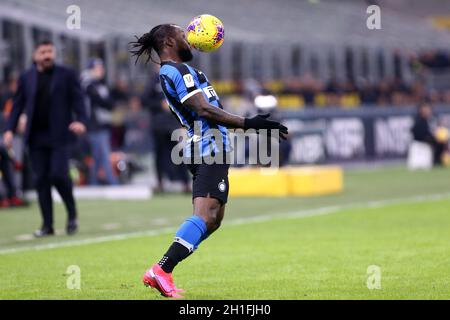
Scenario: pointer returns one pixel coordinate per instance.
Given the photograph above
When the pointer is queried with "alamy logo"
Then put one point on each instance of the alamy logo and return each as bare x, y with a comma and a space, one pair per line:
195, 138
373, 22
73, 281
244, 147
74, 20
374, 277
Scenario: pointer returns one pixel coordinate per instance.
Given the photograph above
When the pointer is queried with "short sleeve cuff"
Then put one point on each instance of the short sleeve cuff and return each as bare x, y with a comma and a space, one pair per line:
190, 94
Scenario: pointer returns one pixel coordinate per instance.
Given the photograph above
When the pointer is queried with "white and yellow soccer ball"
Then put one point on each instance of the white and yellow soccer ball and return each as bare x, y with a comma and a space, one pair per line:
205, 33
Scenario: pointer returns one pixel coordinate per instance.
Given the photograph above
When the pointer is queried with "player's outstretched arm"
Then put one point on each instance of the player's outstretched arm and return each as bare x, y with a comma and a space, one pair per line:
199, 104
202, 107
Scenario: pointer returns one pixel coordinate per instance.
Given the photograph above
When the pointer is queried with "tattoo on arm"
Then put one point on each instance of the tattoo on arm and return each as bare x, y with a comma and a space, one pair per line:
202, 107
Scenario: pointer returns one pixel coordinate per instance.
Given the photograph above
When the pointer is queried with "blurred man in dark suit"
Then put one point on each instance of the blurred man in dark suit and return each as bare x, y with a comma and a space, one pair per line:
50, 97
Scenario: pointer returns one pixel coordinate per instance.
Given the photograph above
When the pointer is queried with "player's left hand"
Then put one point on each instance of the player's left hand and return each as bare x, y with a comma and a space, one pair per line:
78, 128
262, 122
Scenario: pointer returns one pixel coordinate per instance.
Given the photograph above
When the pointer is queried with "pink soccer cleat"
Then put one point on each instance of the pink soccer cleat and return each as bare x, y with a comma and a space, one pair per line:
155, 277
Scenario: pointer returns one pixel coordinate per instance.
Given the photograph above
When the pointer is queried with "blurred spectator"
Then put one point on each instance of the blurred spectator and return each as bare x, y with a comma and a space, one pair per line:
12, 193
163, 123
368, 94
137, 127
251, 88
434, 59
120, 92
12, 196
384, 93
423, 131
309, 88
99, 106
333, 93
6, 96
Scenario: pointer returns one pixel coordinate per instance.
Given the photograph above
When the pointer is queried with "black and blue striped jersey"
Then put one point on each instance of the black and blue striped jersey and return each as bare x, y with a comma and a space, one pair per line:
179, 82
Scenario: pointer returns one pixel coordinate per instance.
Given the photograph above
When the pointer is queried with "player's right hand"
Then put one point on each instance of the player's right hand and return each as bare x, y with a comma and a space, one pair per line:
8, 139
261, 122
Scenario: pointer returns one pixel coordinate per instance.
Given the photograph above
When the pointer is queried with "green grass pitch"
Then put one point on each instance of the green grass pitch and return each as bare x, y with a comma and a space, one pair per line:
268, 248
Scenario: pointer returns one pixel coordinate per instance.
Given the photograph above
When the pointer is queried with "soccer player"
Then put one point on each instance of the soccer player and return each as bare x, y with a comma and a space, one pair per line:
192, 100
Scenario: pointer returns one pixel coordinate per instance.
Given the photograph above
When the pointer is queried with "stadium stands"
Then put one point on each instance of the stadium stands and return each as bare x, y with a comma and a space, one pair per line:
313, 22
306, 26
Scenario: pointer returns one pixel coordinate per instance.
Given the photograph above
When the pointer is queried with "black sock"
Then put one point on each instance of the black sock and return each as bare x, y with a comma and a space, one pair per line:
173, 256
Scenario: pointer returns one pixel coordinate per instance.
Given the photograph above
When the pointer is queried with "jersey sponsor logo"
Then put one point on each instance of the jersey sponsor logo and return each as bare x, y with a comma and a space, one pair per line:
210, 92
188, 80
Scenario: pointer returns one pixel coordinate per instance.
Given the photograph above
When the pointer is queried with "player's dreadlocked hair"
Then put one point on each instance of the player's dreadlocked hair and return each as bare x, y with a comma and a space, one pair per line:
153, 40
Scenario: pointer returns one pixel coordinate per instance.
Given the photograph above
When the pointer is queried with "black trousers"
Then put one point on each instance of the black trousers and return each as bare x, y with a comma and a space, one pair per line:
50, 166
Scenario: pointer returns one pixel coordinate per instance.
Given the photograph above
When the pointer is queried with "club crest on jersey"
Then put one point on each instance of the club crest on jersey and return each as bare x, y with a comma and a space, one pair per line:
188, 80
222, 186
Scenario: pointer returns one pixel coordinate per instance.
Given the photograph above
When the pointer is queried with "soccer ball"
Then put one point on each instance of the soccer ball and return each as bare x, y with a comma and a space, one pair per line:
205, 33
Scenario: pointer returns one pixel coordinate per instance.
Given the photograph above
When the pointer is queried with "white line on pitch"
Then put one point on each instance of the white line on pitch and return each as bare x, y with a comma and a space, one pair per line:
279, 216
111, 226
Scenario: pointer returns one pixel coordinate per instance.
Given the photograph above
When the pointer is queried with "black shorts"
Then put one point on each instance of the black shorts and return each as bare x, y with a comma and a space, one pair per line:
210, 180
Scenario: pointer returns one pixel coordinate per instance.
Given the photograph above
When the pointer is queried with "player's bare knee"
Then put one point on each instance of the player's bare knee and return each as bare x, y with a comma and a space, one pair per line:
211, 223
213, 219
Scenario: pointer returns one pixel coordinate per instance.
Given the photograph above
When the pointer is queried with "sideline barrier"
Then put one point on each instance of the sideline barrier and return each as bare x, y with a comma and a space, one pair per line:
330, 135
288, 181
127, 192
